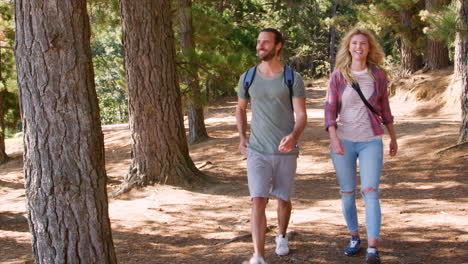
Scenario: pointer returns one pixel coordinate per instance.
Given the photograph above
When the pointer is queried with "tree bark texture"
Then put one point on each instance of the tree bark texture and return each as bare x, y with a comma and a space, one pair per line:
437, 55
332, 30
410, 60
159, 145
461, 64
64, 168
196, 118
3, 156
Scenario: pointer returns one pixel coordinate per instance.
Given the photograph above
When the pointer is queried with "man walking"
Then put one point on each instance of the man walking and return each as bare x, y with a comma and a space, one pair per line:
272, 148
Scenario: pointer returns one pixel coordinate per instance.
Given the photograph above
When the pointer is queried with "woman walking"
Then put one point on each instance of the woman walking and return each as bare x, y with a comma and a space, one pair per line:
356, 106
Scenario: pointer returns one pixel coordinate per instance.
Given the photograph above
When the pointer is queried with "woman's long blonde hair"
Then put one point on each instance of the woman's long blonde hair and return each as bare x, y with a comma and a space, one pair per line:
375, 56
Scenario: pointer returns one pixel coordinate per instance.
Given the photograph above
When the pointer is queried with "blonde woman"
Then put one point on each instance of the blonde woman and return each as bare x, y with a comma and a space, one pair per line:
353, 122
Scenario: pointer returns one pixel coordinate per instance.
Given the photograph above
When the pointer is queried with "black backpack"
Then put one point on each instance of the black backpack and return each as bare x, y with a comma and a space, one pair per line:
288, 75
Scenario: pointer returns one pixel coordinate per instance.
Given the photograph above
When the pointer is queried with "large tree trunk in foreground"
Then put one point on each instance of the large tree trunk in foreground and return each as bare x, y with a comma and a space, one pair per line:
461, 64
65, 177
159, 145
196, 118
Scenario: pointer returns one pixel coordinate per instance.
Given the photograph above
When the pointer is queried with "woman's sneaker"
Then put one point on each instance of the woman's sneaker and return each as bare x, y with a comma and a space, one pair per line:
372, 256
282, 248
255, 259
353, 246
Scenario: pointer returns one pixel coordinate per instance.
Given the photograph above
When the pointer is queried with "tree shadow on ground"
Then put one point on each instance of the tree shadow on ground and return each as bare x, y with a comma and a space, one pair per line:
11, 247
11, 185
13, 222
309, 246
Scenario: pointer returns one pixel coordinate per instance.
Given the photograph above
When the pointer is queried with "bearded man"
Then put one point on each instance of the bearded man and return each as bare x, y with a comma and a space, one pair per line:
278, 119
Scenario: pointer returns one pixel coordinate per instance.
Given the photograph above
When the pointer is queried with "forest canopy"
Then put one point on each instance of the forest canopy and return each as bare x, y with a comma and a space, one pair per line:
225, 34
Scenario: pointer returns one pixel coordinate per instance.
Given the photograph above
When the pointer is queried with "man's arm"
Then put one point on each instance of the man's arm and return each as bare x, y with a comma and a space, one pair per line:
288, 143
241, 121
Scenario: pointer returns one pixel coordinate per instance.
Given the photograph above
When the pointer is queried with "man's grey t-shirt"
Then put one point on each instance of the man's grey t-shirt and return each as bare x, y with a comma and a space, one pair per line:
272, 114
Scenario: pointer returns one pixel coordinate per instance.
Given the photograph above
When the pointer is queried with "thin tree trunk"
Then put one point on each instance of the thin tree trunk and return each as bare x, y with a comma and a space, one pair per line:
159, 145
220, 6
332, 30
278, 4
3, 156
461, 64
196, 118
437, 56
410, 61
64, 168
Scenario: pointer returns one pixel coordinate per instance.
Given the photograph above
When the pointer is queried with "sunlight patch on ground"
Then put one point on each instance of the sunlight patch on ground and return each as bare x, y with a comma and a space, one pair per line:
315, 113
432, 185
310, 164
219, 120
316, 213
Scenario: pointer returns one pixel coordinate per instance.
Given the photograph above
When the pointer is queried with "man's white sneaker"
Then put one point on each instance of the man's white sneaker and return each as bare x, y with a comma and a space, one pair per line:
256, 259
282, 248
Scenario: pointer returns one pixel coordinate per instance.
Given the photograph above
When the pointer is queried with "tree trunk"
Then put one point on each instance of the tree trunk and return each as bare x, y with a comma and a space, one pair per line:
3, 156
220, 6
64, 168
333, 37
437, 56
196, 118
410, 60
461, 64
159, 145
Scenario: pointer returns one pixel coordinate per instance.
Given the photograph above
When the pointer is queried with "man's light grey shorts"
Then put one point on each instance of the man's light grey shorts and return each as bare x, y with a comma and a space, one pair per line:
270, 175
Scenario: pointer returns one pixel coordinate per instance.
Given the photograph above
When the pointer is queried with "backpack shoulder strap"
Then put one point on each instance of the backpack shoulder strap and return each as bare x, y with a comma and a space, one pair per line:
289, 78
289, 81
248, 80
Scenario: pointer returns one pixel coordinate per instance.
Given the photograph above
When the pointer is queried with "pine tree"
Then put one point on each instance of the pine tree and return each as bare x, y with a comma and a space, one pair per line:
461, 64
196, 118
64, 168
159, 145
436, 55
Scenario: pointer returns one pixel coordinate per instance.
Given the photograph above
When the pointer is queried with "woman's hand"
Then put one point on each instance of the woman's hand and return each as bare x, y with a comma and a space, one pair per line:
335, 142
393, 141
393, 147
337, 145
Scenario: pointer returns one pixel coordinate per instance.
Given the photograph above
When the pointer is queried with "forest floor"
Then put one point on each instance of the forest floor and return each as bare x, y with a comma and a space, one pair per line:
424, 195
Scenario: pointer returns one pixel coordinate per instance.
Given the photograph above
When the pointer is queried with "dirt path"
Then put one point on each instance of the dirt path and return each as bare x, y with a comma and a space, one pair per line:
424, 200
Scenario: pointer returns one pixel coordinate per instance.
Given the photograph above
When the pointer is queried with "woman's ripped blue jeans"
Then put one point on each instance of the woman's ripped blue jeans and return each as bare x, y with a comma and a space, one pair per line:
370, 156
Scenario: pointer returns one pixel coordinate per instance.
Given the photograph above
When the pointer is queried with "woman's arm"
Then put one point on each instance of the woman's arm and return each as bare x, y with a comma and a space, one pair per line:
393, 140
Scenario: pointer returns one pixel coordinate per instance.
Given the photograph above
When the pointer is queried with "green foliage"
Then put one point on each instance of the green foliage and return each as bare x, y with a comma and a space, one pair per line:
222, 52
225, 37
11, 110
8, 85
110, 75
383, 17
441, 22
106, 47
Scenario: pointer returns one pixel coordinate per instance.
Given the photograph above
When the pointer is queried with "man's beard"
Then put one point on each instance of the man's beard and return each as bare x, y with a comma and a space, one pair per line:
267, 56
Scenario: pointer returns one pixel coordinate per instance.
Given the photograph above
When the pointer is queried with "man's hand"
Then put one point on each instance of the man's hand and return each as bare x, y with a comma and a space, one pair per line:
243, 147
287, 144
241, 121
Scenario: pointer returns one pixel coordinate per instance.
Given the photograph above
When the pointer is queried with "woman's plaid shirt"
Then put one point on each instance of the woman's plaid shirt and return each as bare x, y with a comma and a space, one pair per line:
378, 100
